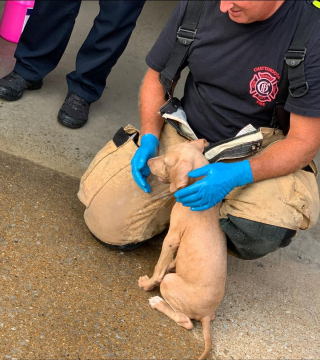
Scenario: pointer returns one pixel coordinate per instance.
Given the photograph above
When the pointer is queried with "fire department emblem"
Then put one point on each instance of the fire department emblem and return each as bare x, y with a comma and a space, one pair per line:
264, 87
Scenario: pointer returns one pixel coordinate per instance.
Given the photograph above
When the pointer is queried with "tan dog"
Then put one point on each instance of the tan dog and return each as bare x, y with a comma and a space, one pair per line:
197, 287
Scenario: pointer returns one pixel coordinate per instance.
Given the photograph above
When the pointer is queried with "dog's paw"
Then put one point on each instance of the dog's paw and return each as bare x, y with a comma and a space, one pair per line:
145, 283
155, 301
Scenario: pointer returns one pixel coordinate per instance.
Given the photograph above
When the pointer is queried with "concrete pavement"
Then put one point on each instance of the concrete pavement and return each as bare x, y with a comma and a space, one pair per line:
63, 295
29, 128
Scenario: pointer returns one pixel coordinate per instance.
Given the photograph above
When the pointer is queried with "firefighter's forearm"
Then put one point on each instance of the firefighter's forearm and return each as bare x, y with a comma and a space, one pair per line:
152, 97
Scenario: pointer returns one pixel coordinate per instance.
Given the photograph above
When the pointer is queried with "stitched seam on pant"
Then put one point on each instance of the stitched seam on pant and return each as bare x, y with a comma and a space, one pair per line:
109, 154
156, 212
307, 216
106, 183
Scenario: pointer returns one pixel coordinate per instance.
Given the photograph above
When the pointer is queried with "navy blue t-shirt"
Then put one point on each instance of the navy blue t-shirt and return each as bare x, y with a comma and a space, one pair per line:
235, 68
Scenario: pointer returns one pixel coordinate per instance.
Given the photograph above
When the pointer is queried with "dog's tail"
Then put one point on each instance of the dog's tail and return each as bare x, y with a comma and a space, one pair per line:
206, 321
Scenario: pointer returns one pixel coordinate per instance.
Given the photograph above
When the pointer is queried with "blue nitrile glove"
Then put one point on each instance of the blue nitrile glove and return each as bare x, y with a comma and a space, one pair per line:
139, 167
219, 179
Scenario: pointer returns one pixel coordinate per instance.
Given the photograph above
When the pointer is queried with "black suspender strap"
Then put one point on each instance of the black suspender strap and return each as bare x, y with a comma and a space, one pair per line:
295, 56
293, 79
185, 36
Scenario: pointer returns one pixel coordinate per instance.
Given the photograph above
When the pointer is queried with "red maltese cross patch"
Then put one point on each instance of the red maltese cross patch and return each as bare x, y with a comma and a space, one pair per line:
264, 85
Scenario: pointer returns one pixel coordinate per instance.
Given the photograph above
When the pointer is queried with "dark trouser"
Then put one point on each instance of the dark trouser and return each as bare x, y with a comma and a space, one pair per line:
251, 240
47, 34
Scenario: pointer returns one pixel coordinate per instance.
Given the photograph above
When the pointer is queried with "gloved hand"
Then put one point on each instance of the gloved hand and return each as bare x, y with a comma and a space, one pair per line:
219, 179
139, 167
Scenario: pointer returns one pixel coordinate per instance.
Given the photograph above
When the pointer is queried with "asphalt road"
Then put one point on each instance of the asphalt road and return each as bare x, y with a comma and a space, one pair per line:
63, 295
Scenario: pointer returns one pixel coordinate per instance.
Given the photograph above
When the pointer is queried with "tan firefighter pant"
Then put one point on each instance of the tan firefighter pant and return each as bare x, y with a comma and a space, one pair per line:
118, 212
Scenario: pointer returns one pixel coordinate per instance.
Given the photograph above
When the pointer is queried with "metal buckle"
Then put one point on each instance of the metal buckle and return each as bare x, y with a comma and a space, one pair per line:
294, 57
186, 37
303, 89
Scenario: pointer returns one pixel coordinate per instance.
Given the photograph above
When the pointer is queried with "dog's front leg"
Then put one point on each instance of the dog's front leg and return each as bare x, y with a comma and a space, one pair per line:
169, 247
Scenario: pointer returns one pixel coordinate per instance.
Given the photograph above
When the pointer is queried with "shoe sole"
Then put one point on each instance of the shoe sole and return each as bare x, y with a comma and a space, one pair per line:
65, 121
35, 86
9, 98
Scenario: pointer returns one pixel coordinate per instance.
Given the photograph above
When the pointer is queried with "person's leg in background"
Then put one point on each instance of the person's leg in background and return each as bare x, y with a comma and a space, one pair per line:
102, 48
45, 38
40, 47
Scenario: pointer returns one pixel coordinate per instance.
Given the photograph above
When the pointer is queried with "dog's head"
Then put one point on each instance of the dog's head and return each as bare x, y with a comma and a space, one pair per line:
173, 167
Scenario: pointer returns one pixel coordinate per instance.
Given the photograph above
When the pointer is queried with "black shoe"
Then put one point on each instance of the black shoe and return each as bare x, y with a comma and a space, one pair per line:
13, 85
74, 111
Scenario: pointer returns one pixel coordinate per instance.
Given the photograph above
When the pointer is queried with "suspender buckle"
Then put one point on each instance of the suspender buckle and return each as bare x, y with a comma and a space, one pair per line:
294, 57
186, 37
167, 85
299, 90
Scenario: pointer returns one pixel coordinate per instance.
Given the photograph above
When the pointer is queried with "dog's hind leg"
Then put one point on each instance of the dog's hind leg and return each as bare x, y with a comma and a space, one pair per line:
172, 266
169, 247
174, 290
161, 305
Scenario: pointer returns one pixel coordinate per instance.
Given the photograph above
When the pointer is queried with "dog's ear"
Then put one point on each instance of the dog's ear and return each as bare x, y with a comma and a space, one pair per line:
200, 144
157, 166
179, 175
